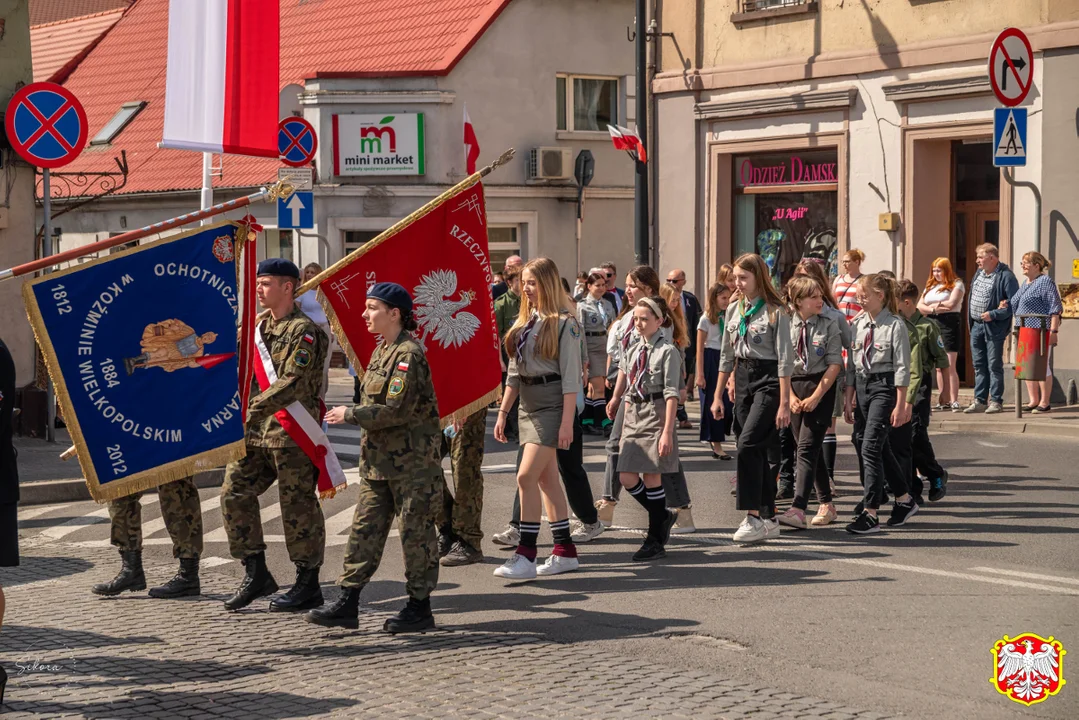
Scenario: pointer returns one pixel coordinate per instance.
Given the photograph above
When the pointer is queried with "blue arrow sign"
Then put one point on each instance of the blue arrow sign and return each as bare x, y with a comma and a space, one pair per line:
1010, 137
296, 212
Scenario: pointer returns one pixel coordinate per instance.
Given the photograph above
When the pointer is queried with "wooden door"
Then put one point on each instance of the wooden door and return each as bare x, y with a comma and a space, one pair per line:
973, 223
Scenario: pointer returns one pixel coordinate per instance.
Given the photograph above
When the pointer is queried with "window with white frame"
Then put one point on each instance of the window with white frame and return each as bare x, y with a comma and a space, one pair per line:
356, 239
502, 242
586, 103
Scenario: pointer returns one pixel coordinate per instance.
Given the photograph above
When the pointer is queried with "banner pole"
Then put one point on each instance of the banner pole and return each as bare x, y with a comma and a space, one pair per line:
46, 252
270, 194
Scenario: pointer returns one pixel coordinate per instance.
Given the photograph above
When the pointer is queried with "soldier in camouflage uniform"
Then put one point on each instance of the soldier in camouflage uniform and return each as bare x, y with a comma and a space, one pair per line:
297, 348
459, 534
183, 518
400, 468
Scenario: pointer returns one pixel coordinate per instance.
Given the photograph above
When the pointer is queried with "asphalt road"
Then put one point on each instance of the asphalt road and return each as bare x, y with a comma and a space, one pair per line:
902, 622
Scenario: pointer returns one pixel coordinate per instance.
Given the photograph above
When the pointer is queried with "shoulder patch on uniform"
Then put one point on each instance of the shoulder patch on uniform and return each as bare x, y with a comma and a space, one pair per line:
309, 338
940, 342
403, 366
397, 386
302, 357
574, 329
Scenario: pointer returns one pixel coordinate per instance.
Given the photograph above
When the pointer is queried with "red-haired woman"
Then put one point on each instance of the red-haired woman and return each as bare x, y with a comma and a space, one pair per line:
942, 302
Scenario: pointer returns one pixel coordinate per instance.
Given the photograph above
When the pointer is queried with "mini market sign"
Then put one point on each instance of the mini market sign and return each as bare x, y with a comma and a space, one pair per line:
378, 144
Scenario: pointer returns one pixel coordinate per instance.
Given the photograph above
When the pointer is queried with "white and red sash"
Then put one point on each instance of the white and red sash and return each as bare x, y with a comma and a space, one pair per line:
301, 427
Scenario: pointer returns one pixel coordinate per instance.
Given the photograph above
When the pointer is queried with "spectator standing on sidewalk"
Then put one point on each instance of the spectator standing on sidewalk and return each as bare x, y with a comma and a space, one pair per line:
845, 287
989, 319
942, 303
1039, 296
611, 272
709, 343
501, 288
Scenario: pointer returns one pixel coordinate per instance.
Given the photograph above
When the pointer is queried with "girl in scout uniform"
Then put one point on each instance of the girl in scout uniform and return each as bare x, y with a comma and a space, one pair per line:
757, 334
818, 359
545, 370
595, 314
709, 339
878, 372
648, 381
811, 268
642, 281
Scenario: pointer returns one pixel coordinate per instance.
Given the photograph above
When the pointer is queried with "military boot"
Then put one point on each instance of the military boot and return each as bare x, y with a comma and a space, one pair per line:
343, 613
414, 617
305, 593
130, 576
446, 540
184, 584
257, 582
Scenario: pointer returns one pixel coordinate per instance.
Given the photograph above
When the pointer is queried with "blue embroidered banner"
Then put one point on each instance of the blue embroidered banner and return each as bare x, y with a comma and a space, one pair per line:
141, 347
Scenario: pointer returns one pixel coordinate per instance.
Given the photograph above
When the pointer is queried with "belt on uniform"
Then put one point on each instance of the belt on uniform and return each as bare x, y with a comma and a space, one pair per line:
647, 398
813, 377
890, 376
540, 379
595, 334
758, 364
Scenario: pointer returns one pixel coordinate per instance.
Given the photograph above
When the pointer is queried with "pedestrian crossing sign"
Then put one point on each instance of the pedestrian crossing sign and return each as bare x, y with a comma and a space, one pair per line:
1010, 137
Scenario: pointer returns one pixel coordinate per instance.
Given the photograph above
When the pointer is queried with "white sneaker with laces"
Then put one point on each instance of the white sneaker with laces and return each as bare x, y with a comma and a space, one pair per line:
752, 530
517, 567
510, 537
771, 527
556, 565
585, 532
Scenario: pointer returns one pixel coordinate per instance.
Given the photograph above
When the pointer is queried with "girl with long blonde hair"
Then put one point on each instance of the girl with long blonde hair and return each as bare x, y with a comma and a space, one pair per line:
545, 370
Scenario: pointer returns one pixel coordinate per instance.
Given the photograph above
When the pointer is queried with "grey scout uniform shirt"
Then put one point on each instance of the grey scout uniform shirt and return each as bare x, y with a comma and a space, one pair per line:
768, 338
595, 316
891, 347
569, 363
663, 369
842, 323
823, 344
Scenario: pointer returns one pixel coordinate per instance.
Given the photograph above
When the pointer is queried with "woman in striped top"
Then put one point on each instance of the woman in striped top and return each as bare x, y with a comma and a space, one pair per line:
845, 287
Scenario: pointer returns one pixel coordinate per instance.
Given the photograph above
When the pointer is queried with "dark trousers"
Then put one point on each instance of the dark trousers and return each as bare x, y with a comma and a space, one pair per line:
788, 448
924, 457
807, 431
574, 478
875, 396
756, 402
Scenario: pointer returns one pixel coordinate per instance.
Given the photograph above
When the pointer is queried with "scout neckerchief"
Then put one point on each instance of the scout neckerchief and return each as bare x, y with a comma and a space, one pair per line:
802, 348
637, 372
626, 335
523, 337
867, 348
602, 311
304, 430
743, 322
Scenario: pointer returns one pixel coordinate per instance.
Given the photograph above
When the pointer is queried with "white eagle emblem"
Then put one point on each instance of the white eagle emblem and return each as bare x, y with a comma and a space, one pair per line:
440, 317
1028, 673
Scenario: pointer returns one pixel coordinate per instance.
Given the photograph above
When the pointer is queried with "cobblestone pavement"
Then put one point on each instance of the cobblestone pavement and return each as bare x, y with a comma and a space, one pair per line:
70, 654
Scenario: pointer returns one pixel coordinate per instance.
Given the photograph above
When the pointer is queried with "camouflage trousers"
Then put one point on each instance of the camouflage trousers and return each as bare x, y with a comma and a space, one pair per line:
180, 510
296, 476
461, 511
416, 500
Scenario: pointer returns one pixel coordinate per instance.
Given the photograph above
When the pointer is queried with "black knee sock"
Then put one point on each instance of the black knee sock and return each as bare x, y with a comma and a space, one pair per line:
638, 493
563, 544
829, 448
527, 543
657, 509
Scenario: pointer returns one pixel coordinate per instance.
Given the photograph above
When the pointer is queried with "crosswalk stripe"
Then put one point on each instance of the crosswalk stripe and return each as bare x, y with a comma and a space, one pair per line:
149, 529
78, 523
33, 512
268, 513
341, 522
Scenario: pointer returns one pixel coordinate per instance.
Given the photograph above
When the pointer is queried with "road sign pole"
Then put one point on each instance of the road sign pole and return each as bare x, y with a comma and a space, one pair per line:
46, 251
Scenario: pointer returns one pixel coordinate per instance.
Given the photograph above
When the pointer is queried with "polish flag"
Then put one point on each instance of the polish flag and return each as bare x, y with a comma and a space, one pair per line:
628, 140
472, 145
222, 85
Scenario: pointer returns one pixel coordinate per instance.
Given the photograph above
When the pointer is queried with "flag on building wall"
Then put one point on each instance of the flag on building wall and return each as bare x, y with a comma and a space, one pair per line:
472, 145
441, 257
628, 140
141, 347
222, 85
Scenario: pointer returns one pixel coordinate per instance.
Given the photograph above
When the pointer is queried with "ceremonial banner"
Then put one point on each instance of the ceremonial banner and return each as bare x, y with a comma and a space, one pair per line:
141, 347
441, 257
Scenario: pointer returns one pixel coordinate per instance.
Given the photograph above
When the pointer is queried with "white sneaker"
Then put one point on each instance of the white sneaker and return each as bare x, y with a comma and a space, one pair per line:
752, 530
794, 518
510, 537
771, 528
556, 565
517, 567
585, 532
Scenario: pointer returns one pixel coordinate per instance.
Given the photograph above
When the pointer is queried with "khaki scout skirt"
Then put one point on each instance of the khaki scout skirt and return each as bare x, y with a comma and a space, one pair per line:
597, 356
638, 451
540, 414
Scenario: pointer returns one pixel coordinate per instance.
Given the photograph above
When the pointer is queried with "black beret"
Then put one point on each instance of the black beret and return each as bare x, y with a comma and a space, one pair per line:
392, 294
278, 266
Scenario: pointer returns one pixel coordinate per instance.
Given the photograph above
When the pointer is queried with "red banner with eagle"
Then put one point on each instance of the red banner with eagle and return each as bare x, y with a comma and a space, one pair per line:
440, 256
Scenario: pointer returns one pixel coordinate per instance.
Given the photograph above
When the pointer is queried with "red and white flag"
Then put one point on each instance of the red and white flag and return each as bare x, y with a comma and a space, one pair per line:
628, 140
222, 84
472, 145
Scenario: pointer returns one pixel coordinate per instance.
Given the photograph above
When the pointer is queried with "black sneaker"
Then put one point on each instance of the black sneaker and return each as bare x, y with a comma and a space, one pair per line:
864, 525
938, 487
668, 523
858, 511
445, 544
462, 554
901, 512
651, 550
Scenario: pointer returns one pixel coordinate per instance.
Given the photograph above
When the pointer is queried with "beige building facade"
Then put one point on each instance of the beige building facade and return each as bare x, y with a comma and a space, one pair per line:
795, 128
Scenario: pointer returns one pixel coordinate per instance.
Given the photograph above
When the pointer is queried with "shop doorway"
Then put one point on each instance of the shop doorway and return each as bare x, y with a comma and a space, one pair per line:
975, 219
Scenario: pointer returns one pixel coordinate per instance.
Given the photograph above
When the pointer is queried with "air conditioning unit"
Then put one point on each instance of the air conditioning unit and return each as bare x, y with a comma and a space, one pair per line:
550, 163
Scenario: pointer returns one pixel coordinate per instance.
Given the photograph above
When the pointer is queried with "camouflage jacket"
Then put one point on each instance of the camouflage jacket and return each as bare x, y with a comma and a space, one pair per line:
298, 348
399, 414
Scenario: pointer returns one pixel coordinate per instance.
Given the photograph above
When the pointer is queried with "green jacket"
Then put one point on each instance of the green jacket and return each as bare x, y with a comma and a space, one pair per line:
506, 309
926, 354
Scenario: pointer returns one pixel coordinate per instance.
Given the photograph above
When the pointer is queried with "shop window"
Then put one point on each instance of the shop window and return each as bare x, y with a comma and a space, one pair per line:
786, 207
502, 241
586, 103
279, 244
355, 239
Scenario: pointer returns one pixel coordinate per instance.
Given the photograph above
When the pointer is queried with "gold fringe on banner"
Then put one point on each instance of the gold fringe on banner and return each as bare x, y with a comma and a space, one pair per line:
148, 478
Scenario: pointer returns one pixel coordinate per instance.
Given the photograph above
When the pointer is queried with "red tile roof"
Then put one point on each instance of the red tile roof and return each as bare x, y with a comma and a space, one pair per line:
58, 47
50, 11
327, 38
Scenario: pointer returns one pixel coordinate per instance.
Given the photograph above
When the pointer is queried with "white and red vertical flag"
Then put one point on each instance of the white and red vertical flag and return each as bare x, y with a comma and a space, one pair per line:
222, 84
628, 140
472, 145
